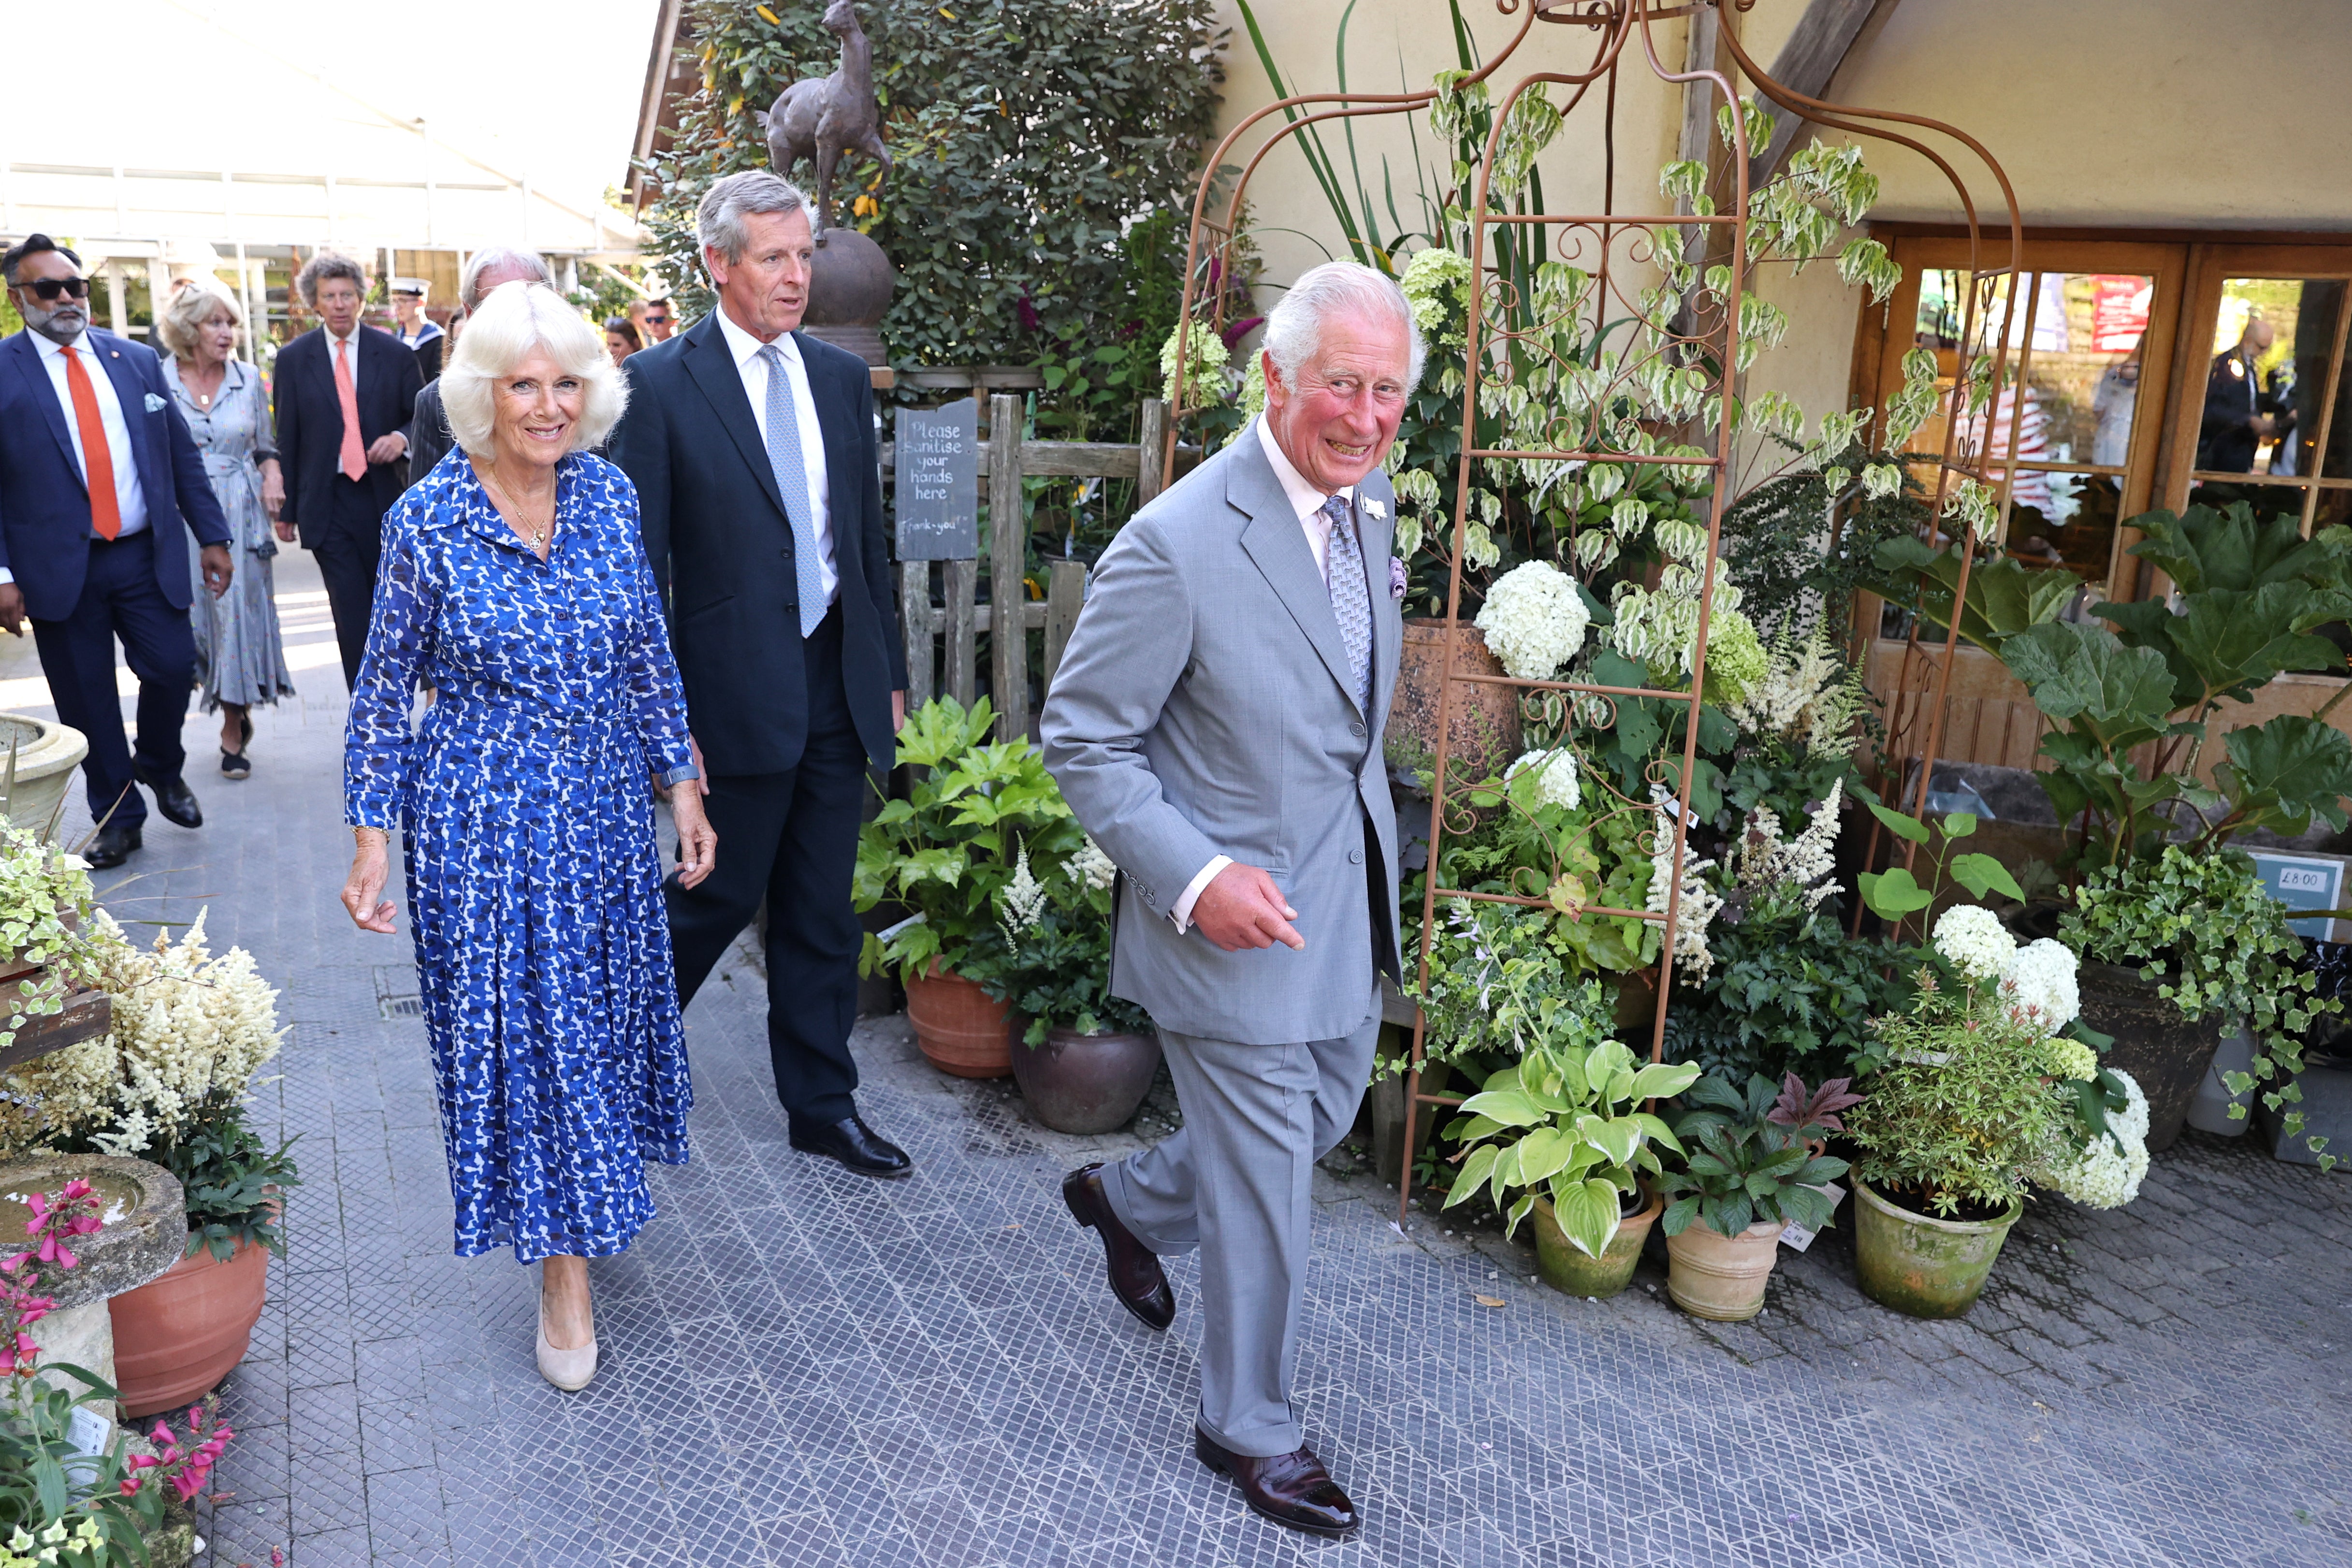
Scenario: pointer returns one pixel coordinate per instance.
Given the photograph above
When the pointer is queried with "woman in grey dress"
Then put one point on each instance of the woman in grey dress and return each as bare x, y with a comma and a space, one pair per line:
240, 654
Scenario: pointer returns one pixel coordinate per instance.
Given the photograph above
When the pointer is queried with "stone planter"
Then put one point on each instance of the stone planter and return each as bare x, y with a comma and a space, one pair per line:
1721, 1277
1085, 1084
1485, 720
146, 1224
2166, 1054
1565, 1266
2209, 1107
177, 1336
47, 753
962, 1031
1919, 1265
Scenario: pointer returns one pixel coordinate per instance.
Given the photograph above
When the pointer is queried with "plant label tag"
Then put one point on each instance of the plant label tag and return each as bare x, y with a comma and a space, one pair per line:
889, 932
1796, 1238
89, 1432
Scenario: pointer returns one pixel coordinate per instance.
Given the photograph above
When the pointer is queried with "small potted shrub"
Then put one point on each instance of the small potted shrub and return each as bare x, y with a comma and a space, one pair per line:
1086, 1060
1562, 1136
947, 853
1742, 1179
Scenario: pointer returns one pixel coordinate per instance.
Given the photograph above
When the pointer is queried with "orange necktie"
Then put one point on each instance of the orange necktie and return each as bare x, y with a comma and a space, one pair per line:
354, 455
96, 457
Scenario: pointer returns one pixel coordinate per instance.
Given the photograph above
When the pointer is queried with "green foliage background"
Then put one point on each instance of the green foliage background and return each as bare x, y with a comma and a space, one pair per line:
1029, 136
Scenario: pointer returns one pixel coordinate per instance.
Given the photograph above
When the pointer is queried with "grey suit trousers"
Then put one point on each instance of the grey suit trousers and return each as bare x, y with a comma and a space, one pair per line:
1237, 1182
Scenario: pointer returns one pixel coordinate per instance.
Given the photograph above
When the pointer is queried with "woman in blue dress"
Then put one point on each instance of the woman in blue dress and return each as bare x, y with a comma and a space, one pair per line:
514, 586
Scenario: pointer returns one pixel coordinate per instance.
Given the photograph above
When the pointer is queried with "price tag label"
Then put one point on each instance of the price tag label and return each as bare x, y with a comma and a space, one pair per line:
89, 1432
1796, 1238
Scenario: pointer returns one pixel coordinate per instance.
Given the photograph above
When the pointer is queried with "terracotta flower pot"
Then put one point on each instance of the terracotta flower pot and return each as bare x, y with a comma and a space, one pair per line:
1085, 1083
1566, 1268
178, 1335
961, 1029
1721, 1277
1920, 1264
1484, 720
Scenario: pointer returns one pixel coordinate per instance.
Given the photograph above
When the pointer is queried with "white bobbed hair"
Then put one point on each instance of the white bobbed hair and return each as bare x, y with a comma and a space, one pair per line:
195, 301
511, 320
1294, 326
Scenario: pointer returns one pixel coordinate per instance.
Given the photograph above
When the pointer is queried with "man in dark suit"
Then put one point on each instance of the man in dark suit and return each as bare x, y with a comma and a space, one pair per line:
101, 484
753, 452
429, 432
344, 393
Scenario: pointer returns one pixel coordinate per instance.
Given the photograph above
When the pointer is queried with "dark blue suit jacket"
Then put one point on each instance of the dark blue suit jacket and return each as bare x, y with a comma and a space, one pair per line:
720, 544
310, 415
43, 505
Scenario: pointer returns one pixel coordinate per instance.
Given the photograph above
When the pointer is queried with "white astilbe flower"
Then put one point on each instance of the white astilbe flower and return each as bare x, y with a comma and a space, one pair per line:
1763, 860
2099, 1175
1091, 867
1808, 697
1534, 620
1700, 901
1021, 904
1555, 780
2039, 979
1973, 938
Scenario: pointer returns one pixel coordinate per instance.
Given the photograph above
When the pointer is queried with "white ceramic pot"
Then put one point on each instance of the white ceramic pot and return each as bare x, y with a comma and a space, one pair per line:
47, 753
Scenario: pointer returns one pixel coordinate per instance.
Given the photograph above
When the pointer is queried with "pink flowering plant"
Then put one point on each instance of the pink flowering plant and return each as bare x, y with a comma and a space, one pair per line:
60, 1505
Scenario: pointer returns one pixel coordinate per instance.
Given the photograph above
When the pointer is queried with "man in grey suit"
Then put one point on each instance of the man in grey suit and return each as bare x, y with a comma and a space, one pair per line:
1215, 724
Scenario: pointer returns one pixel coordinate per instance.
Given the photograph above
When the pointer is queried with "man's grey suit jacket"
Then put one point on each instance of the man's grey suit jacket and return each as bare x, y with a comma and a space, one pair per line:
1203, 708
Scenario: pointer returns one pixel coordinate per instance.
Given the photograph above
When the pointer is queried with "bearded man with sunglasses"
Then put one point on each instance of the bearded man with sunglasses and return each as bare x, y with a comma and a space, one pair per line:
101, 484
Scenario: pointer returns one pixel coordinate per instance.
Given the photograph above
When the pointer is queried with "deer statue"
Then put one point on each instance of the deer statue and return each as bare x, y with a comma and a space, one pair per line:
821, 119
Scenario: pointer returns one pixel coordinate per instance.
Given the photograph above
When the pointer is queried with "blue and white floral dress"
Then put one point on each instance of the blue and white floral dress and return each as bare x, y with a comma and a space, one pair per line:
534, 880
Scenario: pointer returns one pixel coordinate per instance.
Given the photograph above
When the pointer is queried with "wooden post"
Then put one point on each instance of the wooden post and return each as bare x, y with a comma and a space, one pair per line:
962, 677
1151, 475
1066, 594
1008, 552
915, 628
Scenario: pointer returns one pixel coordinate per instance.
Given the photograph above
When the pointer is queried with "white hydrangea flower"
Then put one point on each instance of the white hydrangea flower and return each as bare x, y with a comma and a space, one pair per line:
2039, 979
1091, 867
2070, 1059
1973, 938
1556, 783
1534, 620
2100, 1175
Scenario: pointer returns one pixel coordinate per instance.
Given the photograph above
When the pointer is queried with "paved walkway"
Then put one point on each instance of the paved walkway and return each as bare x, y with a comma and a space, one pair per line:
804, 1368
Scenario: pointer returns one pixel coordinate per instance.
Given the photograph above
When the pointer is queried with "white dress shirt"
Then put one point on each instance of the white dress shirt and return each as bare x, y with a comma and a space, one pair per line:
1307, 502
130, 498
753, 369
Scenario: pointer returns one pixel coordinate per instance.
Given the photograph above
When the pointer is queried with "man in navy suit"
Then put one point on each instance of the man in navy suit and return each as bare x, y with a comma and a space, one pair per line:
101, 484
753, 452
344, 398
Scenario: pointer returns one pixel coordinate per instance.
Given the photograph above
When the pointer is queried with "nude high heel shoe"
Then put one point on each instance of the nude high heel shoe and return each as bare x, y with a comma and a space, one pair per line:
567, 1369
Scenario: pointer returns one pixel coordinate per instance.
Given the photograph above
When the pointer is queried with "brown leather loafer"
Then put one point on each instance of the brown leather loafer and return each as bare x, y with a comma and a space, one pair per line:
1292, 1489
1136, 1276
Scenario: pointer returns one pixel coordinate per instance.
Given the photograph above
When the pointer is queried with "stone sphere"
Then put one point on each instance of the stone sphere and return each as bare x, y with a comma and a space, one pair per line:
851, 281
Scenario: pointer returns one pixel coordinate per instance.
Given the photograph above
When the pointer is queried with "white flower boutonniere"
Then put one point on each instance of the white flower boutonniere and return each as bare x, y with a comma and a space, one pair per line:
1373, 508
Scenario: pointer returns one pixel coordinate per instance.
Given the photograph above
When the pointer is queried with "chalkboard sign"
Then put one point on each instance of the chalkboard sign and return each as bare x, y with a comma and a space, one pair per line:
938, 482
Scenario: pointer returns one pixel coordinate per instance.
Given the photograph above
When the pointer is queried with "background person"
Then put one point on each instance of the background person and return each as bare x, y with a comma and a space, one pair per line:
515, 586
428, 431
754, 451
425, 339
620, 338
1222, 702
240, 652
344, 391
98, 475
660, 321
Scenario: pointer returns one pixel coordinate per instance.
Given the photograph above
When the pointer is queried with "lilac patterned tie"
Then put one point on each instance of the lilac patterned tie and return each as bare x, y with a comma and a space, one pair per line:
1351, 601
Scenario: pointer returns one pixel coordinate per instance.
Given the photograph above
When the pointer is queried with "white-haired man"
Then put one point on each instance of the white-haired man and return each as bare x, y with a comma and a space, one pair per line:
1215, 724
428, 431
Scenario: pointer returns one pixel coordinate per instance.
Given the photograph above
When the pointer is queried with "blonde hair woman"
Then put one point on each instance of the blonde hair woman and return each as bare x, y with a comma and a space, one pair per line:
515, 585
240, 652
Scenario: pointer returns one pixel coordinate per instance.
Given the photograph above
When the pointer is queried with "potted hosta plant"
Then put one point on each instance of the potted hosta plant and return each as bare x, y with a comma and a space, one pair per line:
947, 852
1086, 1060
1969, 1100
168, 1084
1743, 1178
1561, 1135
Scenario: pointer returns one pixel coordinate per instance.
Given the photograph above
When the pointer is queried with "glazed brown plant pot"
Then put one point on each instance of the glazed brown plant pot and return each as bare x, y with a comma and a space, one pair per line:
1085, 1083
179, 1334
962, 1030
2166, 1055
1485, 720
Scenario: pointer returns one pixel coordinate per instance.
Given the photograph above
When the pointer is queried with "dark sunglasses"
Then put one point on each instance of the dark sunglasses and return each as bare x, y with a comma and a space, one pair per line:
50, 287
653, 320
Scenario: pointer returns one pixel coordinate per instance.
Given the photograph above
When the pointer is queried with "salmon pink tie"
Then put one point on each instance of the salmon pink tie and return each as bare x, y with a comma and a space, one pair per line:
354, 455
96, 457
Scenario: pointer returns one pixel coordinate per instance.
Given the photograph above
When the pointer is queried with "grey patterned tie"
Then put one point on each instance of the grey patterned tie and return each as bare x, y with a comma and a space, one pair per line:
791, 479
1351, 601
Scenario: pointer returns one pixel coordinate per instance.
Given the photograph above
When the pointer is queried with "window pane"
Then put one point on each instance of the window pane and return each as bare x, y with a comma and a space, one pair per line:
2085, 368
2273, 339
2268, 501
2065, 521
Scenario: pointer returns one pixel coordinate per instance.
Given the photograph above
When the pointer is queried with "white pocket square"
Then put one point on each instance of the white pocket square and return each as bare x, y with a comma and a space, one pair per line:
155, 402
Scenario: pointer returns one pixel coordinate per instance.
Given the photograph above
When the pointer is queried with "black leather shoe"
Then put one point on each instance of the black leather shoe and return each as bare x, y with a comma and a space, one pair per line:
1136, 1276
1291, 1489
116, 842
177, 801
856, 1145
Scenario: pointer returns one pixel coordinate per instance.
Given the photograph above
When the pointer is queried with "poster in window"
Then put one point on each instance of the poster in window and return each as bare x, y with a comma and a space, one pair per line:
2119, 308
